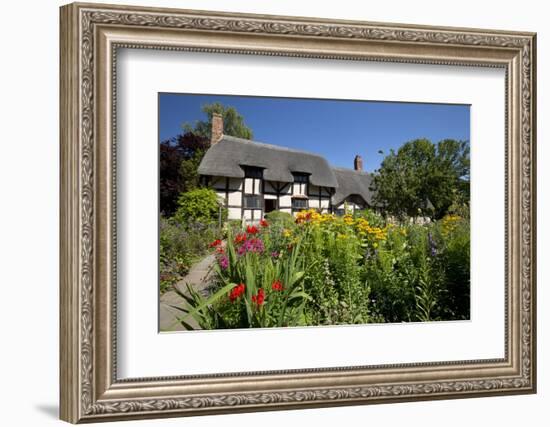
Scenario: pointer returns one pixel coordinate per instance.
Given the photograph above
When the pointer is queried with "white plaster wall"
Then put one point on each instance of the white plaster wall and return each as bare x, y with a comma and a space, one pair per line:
285, 201
314, 203
235, 198
233, 213
249, 185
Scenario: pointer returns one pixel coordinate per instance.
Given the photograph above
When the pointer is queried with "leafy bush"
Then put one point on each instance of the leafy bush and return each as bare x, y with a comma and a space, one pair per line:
200, 205
281, 218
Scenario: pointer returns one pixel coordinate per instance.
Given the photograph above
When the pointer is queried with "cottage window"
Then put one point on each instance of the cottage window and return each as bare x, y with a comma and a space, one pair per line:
252, 172
253, 202
299, 187
300, 177
253, 180
299, 203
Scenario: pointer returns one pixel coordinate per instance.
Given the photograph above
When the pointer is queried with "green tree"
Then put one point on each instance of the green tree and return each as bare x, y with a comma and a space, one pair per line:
233, 122
423, 178
181, 155
179, 160
199, 205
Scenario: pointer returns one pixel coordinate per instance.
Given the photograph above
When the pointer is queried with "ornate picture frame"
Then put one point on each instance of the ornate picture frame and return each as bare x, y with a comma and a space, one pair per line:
90, 37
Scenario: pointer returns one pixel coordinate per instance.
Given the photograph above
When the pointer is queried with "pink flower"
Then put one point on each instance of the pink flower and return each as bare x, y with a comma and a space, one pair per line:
224, 262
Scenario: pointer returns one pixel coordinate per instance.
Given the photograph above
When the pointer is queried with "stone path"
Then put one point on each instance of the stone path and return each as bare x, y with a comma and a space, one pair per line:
198, 276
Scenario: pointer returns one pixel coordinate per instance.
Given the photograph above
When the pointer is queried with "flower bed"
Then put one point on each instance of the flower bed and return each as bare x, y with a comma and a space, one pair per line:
326, 270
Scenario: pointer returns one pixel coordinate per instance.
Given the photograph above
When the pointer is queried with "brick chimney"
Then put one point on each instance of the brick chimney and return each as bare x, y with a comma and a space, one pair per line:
217, 128
358, 163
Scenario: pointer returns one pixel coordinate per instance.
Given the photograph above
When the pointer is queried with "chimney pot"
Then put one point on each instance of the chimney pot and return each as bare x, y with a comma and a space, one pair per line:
217, 128
358, 163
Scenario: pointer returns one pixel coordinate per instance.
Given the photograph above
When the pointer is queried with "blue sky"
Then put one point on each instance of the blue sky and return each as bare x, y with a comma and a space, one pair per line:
338, 130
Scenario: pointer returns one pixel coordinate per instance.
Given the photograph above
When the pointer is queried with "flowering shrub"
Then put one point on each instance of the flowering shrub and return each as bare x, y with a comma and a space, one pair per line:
322, 269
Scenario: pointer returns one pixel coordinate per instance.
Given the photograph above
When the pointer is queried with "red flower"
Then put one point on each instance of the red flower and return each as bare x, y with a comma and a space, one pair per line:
277, 285
215, 243
236, 292
259, 299
251, 229
220, 250
240, 238
264, 223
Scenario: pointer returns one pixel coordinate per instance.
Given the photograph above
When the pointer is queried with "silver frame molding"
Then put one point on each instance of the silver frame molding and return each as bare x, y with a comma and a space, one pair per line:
90, 37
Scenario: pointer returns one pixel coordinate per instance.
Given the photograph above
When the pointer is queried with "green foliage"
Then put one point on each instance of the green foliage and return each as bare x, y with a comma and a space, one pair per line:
375, 219
200, 205
454, 265
180, 246
188, 171
233, 122
423, 179
179, 160
425, 295
282, 218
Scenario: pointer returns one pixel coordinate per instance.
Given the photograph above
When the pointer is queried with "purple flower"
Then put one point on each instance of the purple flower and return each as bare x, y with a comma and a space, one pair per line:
251, 245
433, 247
241, 250
224, 262
275, 254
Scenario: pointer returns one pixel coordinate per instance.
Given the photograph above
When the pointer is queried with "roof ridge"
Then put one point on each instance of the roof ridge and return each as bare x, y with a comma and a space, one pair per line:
276, 147
338, 168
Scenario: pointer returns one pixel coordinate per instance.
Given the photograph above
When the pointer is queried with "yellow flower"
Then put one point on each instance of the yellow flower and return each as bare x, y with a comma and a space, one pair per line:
449, 222
287, 232
348, 219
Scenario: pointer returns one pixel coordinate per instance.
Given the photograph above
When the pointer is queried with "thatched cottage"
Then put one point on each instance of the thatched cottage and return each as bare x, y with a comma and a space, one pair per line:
253, 178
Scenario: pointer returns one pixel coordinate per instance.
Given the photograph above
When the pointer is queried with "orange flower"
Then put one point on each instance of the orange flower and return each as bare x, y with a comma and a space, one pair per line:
240, 238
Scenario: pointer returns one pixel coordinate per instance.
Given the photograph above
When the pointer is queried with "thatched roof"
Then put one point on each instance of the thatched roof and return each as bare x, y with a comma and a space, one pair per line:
230, 154
227, 157
352, 182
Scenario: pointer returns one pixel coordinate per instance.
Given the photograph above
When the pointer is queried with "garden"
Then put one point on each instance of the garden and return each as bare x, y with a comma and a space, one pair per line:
406, 261
321, 269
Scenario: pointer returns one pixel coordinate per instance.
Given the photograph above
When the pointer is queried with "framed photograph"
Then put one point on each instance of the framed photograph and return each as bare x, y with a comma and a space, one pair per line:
267, 212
